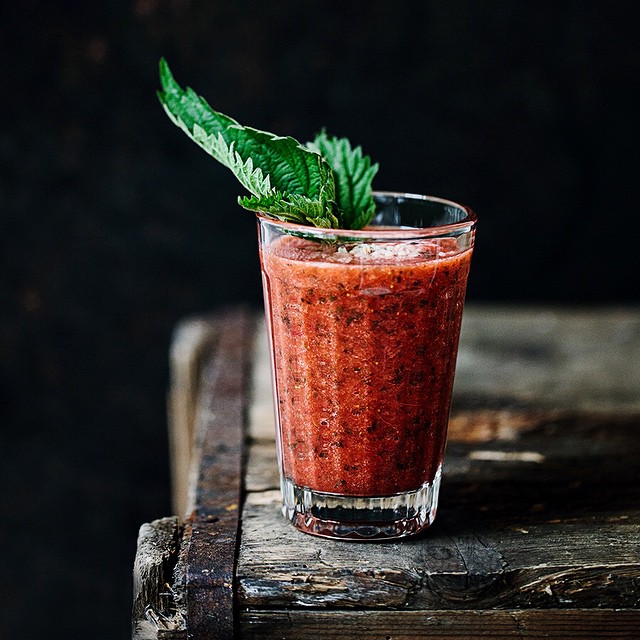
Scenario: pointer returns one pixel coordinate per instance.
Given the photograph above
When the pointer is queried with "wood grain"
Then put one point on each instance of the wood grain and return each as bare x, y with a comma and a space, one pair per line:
194, 569
445, 625
205, 572
156, 614
192, 343
568, 359
539, 505
538, 530
561, 532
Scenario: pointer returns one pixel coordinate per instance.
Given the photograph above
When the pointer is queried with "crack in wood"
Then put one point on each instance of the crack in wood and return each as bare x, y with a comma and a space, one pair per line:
519, 626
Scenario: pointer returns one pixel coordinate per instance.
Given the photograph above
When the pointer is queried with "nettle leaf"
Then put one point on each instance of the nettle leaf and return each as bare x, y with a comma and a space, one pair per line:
263, 162
251, 177
292, 208
353, 174
325, 184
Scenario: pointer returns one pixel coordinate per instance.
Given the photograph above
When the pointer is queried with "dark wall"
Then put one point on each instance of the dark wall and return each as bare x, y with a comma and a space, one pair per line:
113, 225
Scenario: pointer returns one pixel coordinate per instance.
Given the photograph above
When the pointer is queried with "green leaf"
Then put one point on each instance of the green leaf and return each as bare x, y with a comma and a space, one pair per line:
353, 174
252, 178
265, 164
292, 208
326, 183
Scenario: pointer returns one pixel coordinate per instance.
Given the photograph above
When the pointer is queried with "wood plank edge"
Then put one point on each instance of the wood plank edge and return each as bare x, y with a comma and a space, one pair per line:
192, 340
205, 571
156, 613
577, 624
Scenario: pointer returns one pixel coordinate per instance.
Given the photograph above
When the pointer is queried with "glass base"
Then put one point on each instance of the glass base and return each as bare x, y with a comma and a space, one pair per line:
332, 515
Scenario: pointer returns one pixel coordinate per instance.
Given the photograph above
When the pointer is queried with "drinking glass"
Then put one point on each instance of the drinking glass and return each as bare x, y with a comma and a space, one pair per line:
363, 329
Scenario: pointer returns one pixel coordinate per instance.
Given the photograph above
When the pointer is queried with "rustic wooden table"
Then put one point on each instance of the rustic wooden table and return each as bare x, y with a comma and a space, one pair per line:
538, 530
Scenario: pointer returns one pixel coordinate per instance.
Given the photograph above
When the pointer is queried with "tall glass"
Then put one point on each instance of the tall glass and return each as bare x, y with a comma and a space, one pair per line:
363, 328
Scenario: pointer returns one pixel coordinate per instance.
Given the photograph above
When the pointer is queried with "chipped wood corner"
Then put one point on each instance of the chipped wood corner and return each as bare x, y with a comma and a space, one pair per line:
157, 610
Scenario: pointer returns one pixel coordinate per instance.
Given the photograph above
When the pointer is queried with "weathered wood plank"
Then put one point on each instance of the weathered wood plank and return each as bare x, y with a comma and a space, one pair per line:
572, 359
538, 532
204, 575
261, 423
539, 506
156, 614
192, 341
453, 569
562, 531
445, 625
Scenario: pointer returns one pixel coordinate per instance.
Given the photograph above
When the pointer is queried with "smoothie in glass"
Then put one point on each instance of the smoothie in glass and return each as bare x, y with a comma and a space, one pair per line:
364, 331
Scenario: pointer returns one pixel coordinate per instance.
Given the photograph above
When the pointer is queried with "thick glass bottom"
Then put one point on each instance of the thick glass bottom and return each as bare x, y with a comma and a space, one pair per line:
332, 515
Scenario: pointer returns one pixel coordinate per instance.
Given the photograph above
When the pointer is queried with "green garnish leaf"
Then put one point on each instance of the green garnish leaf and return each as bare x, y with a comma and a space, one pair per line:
287, 180
292, 208
354, 174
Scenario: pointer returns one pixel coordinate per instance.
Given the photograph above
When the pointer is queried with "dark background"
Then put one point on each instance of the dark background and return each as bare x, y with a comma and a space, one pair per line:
114, 226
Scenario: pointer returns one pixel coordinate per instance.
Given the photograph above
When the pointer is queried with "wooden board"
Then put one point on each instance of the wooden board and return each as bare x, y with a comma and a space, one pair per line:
300, 624
538, 530
538, 509
190, 591
547, 520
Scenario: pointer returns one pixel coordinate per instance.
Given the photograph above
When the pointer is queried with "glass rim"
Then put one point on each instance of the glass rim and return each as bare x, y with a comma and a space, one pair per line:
465, 225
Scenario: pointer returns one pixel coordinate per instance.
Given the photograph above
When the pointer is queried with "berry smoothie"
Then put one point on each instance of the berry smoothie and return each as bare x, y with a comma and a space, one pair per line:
364, 339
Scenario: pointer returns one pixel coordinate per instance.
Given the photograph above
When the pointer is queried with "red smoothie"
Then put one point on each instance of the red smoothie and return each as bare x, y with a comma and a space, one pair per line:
364, 340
